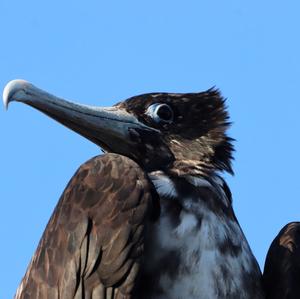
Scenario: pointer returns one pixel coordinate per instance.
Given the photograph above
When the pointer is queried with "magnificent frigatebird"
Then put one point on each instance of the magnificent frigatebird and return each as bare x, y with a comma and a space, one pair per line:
151, 218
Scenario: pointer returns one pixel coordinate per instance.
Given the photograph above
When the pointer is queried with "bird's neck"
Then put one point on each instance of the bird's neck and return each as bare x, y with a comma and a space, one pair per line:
180, 188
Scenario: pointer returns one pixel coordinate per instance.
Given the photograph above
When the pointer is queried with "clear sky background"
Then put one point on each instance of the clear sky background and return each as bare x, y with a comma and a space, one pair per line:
100, 52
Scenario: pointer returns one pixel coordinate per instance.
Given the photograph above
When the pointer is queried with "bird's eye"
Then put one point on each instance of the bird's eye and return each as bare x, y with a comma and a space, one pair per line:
160, 113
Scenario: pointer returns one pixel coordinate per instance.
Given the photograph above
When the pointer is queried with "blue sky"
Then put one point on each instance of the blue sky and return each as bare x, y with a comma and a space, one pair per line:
100, 52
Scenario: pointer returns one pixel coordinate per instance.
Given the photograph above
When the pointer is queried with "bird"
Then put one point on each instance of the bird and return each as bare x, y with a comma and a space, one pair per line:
152, 217
281, 274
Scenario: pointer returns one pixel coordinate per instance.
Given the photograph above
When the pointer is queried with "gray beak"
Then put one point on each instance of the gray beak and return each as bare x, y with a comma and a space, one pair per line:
108, 127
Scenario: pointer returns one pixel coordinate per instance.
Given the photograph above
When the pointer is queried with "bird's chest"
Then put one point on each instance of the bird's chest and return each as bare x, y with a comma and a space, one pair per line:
195, 252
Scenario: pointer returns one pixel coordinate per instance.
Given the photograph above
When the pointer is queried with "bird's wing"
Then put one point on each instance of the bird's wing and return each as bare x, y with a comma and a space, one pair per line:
282, 267
93, 244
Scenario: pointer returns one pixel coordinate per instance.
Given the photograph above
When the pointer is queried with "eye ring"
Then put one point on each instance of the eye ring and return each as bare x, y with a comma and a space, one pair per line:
160, 113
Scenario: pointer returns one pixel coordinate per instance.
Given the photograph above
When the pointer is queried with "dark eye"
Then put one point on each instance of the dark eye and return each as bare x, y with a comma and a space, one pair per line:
160, 113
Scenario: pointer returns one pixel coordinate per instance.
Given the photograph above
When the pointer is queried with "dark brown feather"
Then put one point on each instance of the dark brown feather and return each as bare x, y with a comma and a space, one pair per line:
282, 267
93, 243
197, 138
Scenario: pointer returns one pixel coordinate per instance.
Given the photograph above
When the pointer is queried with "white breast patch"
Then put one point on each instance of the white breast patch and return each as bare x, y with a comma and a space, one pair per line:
197, 240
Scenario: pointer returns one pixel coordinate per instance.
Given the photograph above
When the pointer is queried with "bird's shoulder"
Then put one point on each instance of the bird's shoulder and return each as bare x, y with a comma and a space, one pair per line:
94, 241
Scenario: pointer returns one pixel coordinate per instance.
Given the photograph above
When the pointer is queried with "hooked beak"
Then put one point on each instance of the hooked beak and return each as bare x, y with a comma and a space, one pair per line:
109, 127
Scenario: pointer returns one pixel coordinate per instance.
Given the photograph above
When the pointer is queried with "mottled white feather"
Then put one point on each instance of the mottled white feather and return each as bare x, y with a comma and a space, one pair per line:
197, 240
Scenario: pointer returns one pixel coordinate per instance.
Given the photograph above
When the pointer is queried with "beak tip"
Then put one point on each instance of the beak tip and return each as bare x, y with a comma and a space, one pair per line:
10, 89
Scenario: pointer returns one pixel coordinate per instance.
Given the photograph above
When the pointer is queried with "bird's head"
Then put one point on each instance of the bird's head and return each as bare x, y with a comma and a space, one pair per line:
181, 133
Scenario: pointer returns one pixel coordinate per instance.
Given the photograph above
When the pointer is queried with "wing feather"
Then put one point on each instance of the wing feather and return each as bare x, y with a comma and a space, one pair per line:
281, 276
93, 244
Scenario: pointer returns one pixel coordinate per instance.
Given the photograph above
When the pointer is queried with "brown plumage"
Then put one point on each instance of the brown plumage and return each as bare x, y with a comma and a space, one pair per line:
200, 124
282, 267
93, 244
155, 210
